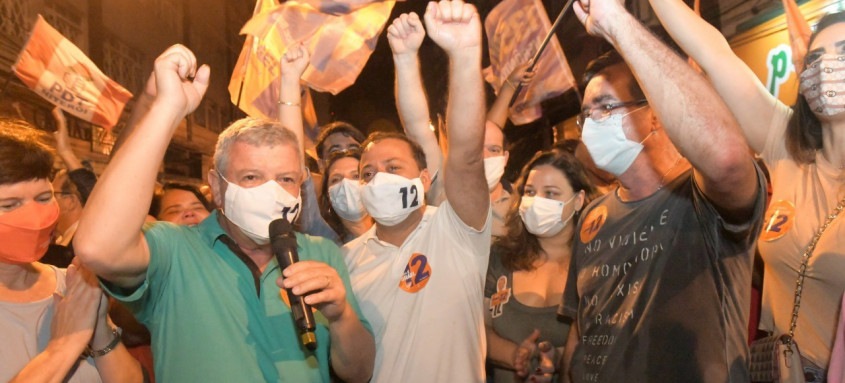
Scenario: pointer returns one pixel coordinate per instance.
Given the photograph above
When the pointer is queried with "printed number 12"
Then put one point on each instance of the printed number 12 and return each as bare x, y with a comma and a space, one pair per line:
404, 192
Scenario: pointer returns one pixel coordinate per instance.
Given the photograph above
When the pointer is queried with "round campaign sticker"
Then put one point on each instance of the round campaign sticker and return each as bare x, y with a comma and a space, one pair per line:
416, 275
778, 221
593, 223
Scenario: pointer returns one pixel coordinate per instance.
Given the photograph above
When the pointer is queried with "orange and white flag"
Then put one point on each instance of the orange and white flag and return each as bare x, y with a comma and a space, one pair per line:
57, 70
799, 33
339, 44
515, 30
255, 72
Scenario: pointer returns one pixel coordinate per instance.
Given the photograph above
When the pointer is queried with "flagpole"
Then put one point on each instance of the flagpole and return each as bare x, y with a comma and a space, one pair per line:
542, 47
243, 73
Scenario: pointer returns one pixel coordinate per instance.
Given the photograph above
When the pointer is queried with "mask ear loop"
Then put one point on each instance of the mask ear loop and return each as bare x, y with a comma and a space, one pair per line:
574, 210
634, 111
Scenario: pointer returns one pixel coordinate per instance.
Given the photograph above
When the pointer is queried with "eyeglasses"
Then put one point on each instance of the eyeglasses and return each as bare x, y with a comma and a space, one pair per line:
351, 151
602, 112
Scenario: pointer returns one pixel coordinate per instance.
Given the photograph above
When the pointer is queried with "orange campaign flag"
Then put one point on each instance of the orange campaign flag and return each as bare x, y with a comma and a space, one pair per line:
340, 45
255, 71
59, 72
515, 30
799, 33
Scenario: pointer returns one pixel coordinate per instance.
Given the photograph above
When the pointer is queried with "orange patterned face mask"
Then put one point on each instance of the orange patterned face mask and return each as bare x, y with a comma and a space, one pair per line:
823, 85
25, 233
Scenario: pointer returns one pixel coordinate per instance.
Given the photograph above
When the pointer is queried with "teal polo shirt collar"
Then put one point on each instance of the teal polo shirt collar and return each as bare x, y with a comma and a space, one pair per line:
212, 232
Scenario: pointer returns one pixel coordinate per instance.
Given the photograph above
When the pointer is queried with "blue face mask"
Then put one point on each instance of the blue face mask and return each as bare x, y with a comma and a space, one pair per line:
611, 150
345, 197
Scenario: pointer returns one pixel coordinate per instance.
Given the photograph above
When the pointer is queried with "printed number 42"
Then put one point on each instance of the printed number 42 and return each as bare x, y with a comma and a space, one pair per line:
413, 193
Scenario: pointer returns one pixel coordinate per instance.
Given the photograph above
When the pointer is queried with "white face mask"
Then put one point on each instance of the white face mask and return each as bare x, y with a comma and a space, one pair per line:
823, 85
252, 209
611, 150
494, 168
345, 197
543, 217
390, 198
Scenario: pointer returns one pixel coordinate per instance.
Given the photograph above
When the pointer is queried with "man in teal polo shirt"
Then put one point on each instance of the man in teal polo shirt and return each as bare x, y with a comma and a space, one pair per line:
210, 294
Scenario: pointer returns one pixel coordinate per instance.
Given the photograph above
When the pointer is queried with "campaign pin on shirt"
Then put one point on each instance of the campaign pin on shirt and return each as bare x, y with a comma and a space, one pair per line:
779, 219
593, 223
416, 275
502, 296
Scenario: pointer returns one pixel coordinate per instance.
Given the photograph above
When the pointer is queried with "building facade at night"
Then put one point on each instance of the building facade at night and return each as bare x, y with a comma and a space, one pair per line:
124, 37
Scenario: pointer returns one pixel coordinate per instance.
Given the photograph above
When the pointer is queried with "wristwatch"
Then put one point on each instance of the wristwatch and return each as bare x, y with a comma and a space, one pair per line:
116, 333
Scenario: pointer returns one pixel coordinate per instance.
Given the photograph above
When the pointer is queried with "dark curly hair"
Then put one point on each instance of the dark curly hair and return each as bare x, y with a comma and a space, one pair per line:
519, 248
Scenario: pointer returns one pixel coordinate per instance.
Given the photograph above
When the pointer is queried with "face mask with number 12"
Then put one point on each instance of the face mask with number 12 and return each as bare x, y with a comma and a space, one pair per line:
390, 198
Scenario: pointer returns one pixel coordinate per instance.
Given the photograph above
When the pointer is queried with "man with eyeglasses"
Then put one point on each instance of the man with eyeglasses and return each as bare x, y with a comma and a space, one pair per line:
660, 274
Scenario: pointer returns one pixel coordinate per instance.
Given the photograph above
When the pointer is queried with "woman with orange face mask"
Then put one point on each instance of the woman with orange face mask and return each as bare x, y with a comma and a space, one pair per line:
53, 321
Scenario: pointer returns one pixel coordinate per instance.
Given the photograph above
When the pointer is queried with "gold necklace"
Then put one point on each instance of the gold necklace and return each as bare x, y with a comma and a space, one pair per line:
663, 178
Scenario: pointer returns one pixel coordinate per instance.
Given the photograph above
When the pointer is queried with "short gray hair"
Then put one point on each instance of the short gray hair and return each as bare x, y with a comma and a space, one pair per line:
253, 131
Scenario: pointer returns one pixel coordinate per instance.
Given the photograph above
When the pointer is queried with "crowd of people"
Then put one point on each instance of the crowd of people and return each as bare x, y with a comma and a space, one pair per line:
624, 256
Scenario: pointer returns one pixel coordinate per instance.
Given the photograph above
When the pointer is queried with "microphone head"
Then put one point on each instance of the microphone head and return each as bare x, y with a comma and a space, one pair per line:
279, 227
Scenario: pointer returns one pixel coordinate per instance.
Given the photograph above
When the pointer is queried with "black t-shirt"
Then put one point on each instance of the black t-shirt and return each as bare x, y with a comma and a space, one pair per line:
660, 288
515, 321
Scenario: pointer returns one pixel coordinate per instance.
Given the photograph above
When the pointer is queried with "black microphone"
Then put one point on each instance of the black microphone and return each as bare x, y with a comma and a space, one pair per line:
283, 242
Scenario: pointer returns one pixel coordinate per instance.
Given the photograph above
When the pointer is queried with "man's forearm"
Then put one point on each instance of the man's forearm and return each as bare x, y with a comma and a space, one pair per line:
466, 187
694, 116
352, 348
410, 94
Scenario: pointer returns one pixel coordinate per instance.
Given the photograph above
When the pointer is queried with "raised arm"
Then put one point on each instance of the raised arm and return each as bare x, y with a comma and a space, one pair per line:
456, 27
140, 109
693, 115
751, 104
293, 64
498, 113
405, 36
63, 147
109, 239
82, 178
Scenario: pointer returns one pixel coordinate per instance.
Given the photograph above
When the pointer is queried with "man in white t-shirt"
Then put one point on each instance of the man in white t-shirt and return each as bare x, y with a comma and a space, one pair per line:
419, 272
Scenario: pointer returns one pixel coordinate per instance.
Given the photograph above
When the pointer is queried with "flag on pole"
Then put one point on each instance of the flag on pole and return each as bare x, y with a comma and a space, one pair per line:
799, 33
254, 71
340, 46
59, 72
515, 30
